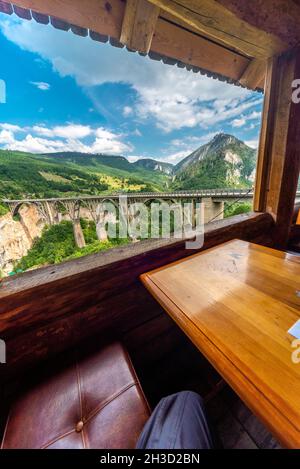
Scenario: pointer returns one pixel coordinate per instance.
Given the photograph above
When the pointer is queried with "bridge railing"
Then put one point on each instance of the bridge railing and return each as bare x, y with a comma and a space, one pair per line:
222, 193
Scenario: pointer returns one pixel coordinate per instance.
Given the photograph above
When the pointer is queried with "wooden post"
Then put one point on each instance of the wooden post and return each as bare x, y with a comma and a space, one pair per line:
139, 24
265, 141
279, 149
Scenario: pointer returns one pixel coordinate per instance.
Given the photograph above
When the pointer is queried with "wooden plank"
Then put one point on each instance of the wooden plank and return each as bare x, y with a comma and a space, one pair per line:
169, 40
173, 41
241, 325
278, 161
259, 83
277, 17
279, 131
296, 214
254, 74
216, 22
266, 137
139, 24
49, 310
290, 171
102, 16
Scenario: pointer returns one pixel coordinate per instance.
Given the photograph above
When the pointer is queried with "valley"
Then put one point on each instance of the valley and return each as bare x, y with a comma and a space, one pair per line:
224, 162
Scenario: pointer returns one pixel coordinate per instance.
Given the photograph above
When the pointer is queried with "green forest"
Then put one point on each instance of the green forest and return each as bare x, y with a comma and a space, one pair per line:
25, 175
57, 244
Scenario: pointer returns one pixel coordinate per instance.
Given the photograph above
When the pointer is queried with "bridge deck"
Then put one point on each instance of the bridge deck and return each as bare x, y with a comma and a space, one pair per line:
220, 193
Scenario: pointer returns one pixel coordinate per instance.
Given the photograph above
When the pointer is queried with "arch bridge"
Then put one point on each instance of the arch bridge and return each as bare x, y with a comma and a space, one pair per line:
51, 209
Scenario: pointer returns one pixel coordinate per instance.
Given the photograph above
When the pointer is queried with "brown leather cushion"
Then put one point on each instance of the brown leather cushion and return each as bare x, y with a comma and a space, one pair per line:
94, 402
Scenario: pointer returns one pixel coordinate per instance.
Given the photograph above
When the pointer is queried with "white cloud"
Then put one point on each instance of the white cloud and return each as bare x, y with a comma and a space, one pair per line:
194, 140
35, 145
108, 142
64, 131
239, 122
41, 85
6, 137
191, 100
252, 143
40, 139
180, 148
174, 98
176, 157
134, 158
127, 111
137, 133
254, 115
101, 132
11, 127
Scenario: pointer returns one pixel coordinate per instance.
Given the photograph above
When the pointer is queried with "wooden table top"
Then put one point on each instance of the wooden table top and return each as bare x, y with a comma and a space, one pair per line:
236, 302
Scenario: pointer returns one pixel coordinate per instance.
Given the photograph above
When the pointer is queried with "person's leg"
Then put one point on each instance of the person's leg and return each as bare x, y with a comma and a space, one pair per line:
178, 422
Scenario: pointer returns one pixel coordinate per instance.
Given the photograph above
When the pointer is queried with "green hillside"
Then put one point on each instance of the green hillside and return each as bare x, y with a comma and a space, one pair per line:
24, 175
223, 162
57, 244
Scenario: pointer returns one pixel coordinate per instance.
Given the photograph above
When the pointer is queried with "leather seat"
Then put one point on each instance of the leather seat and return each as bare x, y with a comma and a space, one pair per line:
92, 402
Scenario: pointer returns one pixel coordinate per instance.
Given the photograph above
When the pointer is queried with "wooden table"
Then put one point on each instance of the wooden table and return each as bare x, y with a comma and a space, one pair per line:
236, 303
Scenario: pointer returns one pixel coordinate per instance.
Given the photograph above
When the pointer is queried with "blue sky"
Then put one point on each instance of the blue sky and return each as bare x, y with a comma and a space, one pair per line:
65, 92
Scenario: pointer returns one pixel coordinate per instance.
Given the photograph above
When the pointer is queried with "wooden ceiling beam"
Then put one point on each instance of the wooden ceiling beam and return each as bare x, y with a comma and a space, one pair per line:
280, 18
217, 22
173, 41
139, 24
254, 74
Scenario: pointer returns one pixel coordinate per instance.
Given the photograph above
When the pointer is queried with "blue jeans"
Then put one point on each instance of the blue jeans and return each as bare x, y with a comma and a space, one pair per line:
178, 422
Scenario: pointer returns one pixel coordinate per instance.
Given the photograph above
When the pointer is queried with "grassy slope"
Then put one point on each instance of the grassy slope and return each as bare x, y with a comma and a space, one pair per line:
27, 175
111, 167
212, 171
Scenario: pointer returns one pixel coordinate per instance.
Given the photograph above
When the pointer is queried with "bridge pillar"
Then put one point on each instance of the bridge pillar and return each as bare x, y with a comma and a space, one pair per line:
49, 210
212, 210
72, 208
78, 234
101, 219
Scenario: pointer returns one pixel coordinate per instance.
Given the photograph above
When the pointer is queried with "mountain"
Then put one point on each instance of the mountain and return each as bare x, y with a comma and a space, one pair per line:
26, 175
91, 160
223, 162
154, 165
113, 161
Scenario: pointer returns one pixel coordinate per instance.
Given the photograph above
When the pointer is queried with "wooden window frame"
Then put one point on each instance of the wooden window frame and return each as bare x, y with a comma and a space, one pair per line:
278, 163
